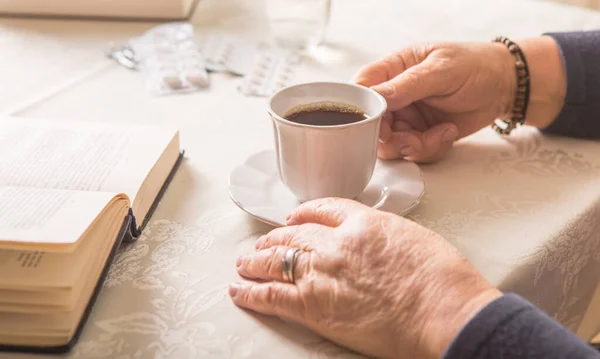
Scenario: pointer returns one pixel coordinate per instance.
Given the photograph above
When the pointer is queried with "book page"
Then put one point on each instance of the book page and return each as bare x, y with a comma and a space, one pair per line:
79, 155
46, 216
40, 270
47, 297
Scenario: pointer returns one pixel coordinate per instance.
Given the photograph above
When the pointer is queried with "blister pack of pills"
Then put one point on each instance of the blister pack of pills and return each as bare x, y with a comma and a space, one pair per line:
170, 59
265, 69
271, 71
229, 54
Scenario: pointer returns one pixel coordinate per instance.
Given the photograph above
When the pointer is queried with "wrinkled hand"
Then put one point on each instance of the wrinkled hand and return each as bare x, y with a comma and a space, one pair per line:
438, 93
368, 280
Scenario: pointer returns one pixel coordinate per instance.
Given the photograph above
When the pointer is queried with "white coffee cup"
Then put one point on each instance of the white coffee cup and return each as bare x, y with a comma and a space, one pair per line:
326, 161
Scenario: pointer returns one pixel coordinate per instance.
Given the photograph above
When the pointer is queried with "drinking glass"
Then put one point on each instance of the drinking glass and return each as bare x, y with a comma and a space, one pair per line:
298, 24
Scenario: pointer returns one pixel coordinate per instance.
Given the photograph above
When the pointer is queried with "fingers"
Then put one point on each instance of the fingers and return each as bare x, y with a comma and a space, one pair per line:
385, 131
267, 264
273, 298
437, 141
327, 211
381, 70
392, 65
412, 117
423, 147
400, 145
404, 77
291, 236
414, 84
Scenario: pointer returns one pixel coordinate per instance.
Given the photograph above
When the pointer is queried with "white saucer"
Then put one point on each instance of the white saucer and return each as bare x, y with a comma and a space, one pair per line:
255, 187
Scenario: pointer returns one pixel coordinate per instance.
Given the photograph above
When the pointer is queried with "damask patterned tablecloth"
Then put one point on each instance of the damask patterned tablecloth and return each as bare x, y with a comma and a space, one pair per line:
524, 209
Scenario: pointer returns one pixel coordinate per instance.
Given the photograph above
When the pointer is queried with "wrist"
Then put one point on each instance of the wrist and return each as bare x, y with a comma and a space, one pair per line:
508, 80
547, 80
452, 308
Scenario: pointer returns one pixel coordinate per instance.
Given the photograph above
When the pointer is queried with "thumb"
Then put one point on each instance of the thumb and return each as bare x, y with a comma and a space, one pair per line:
326, 211
414, 84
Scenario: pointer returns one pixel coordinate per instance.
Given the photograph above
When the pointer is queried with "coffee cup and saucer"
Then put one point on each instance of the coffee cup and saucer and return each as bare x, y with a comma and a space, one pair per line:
326, 137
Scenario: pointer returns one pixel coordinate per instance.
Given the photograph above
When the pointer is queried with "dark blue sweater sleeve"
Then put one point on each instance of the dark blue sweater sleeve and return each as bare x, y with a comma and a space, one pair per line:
512, 328
580, 116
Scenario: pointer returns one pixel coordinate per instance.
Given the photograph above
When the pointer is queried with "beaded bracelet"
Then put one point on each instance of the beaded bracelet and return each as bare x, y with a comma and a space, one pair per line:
519, 109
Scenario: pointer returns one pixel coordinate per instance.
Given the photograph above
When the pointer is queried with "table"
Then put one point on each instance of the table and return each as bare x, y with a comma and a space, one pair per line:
525, 210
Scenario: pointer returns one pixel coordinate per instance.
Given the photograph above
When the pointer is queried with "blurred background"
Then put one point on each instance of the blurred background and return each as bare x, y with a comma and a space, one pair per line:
592, 4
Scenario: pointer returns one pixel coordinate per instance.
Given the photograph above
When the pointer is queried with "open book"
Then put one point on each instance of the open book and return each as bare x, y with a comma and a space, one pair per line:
69, 193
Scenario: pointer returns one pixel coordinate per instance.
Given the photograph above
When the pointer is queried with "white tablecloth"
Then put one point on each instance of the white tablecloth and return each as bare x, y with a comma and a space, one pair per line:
525, 211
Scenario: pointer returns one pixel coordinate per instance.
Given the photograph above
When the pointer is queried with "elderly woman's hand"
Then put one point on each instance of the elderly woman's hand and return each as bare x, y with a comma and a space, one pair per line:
368, 280
438, 93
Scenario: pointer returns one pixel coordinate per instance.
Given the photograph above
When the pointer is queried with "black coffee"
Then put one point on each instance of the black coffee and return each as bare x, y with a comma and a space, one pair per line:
325, 114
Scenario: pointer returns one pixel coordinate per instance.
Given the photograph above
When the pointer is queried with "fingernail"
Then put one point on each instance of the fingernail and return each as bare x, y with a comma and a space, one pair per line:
450, 135
407, 151
359, 81
233, 289
238, 262
381, 140
289, 216
384, 89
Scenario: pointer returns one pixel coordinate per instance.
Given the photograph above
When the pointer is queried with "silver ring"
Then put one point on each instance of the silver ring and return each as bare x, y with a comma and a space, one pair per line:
289, 259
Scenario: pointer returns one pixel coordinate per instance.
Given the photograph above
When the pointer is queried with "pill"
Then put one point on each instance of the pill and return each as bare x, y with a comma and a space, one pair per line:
173, 82
197, 79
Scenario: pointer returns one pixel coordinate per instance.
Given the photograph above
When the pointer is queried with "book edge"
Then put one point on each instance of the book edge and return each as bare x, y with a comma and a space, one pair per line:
60, 349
